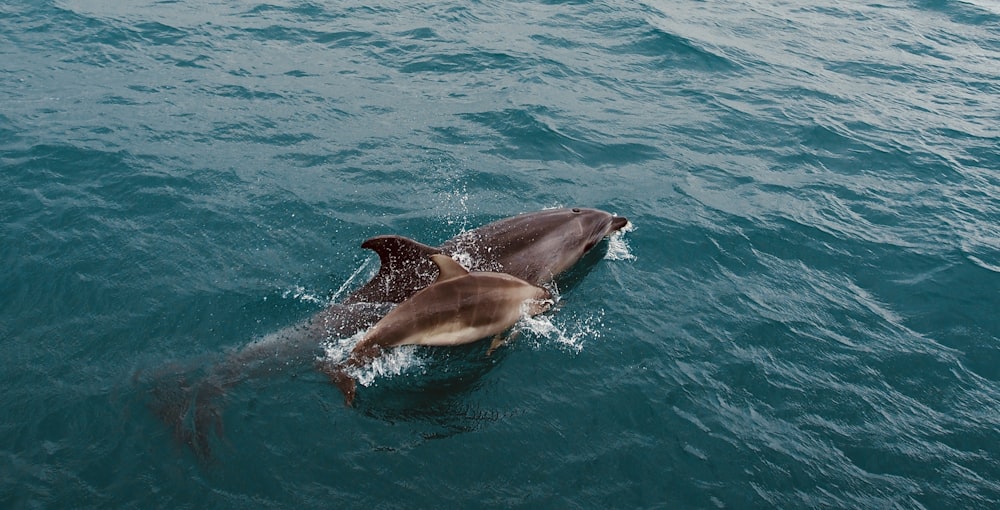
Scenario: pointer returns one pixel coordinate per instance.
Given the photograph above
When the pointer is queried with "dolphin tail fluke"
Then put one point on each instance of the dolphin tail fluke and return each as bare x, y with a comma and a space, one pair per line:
190, 410
207, 418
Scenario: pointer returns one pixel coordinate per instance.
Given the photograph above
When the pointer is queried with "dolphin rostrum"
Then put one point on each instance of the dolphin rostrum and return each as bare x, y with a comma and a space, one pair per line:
460, 307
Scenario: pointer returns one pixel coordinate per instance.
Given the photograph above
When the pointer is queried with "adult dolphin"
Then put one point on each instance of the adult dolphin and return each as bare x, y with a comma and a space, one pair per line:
534, 247
459, 307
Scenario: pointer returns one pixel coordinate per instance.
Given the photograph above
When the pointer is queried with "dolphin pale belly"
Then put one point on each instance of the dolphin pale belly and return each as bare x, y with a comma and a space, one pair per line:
460, 307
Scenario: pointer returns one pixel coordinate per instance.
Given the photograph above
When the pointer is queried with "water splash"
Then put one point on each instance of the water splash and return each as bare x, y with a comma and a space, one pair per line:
465, 252
391, 363
570, 336
350, 280
300, 293
457, 202
618, 247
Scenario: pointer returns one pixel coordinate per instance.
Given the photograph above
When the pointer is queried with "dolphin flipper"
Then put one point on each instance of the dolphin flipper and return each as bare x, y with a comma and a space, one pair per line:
404, 269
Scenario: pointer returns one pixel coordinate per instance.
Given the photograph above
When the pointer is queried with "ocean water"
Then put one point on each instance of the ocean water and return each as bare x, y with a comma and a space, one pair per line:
804, 314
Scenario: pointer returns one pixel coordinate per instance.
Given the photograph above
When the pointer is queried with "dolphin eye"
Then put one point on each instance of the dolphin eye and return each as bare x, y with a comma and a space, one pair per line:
575, 209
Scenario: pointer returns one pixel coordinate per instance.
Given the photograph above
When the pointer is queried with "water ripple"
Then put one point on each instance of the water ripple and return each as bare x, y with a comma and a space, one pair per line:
806, 316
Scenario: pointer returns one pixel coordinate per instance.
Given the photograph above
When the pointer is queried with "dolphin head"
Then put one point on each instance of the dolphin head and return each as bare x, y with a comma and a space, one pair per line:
595, 225
579, 229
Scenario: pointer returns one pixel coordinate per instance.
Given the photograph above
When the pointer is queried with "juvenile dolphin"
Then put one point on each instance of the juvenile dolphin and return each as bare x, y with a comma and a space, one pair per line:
460, 307
534, 247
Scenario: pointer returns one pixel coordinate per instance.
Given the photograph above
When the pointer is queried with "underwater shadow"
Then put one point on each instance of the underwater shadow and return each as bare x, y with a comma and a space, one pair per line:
438, 398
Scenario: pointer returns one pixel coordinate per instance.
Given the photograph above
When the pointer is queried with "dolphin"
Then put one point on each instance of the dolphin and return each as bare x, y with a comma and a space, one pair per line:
534, 247
459, 307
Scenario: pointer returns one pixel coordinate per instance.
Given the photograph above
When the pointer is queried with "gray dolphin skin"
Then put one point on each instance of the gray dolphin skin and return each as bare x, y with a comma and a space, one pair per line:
460, 307
534, 247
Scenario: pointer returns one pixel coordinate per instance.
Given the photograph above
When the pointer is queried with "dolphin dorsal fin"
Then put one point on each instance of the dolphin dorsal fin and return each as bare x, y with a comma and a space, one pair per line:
402, 264
448, 267
392, 249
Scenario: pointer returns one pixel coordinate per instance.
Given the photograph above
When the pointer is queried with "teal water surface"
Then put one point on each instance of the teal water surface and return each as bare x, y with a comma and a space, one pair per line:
804, 315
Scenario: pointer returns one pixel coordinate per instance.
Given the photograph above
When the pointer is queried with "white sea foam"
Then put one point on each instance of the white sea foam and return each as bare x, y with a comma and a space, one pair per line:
392, 362
618, 248
465, 259
571, 336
